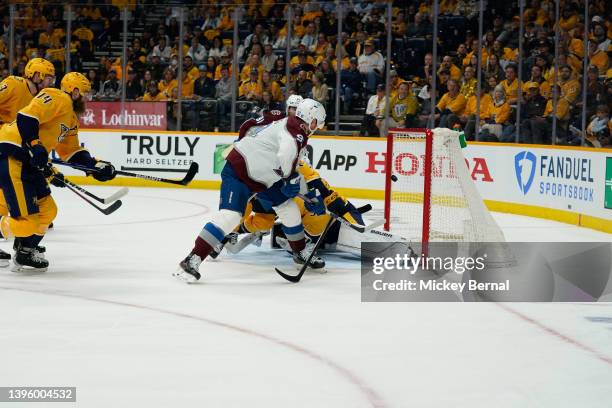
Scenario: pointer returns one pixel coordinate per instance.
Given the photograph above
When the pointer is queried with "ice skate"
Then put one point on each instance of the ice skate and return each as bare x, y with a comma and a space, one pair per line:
5, 259
188, 269
316, 264
29, 260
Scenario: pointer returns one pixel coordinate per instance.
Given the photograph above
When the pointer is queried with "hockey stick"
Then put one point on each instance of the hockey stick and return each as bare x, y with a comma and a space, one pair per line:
112, 198
191, 172
108, 210
296, 278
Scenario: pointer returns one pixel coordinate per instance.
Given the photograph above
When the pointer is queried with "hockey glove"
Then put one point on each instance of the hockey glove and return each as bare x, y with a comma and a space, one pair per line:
291, 188
105, 171
55, 177
315, 206
39, 157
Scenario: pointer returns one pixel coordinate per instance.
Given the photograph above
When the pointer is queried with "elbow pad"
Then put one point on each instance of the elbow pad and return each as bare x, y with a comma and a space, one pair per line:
28, 128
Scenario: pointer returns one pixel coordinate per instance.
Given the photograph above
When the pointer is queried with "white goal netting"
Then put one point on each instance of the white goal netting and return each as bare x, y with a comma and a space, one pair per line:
456, 209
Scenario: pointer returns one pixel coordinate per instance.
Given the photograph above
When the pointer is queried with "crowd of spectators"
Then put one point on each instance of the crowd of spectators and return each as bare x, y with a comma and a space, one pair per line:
152, 63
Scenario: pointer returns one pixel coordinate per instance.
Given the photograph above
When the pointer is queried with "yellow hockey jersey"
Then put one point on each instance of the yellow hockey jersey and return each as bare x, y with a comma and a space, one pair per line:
14, 95
58, 124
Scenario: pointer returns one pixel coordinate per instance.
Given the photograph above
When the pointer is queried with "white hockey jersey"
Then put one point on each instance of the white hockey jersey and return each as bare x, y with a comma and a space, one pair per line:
271, 156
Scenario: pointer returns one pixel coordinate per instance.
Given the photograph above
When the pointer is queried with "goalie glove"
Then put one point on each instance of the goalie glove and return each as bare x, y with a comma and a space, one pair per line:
344, 209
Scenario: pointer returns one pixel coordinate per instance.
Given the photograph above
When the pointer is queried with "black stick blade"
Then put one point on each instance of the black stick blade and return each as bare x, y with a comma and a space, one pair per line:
290, 278
111, 208
193, 170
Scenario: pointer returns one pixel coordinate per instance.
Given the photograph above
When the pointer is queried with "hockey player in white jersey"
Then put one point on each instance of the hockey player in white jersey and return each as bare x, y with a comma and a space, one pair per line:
265, 165
250, 127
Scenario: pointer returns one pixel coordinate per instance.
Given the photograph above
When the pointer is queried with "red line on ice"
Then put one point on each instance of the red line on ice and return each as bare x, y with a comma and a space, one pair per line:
557, 334
374, 399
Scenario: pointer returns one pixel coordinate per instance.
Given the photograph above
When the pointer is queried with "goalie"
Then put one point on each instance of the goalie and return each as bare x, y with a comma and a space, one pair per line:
259, 220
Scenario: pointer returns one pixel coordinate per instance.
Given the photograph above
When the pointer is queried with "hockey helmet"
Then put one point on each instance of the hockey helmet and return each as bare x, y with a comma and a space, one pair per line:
75, 80
310, 109
293, 101
40, 65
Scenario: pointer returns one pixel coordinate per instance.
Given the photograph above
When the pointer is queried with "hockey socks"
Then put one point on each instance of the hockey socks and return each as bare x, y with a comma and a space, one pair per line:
295, 236
210, 237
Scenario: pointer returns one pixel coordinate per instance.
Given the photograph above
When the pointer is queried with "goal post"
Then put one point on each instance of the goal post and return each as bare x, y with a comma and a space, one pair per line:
434, 197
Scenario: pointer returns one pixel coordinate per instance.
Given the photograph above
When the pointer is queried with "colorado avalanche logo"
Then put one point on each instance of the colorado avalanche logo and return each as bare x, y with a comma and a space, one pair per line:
524, 167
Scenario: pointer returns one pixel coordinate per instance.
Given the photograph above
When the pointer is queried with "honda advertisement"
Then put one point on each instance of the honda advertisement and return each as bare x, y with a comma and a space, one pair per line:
575, 180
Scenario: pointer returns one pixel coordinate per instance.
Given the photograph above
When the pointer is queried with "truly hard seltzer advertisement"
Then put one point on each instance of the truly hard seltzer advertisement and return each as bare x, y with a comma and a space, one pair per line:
487, 272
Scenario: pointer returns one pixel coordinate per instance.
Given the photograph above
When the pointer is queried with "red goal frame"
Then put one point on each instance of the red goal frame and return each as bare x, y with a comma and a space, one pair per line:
426, 180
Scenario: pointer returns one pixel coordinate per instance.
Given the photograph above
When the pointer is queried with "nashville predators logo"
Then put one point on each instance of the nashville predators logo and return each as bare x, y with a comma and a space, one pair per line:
63, 132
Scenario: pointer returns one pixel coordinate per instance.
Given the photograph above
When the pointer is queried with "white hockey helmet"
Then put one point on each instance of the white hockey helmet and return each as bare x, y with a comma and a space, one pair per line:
293, 101
309, 110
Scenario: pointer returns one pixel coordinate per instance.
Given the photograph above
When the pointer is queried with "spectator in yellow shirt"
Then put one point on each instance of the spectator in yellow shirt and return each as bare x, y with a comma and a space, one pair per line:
187, 86
598, 58
153, 94
510, 84
403, 107
569, 19
253, 62
539, 129
295, 61
448, 64
251, 90
451, 105
468, 85
192, 71
469, 117
499, 114
225, 62
570, 88
474, 51
267, 84
537, 77
395, 82
322, 45
50, 37
167, 84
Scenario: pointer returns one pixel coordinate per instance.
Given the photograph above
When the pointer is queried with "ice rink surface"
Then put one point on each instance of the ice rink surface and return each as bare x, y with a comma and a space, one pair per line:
109, 319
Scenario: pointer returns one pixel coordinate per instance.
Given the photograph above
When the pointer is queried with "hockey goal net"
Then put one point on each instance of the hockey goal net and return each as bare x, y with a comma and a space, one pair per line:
434, 197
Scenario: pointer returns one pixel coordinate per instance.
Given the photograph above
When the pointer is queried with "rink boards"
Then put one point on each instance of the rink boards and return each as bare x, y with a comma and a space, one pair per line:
568, 184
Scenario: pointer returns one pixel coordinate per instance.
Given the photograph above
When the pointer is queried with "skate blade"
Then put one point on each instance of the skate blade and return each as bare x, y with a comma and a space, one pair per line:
4, 263
26, 270
184, 276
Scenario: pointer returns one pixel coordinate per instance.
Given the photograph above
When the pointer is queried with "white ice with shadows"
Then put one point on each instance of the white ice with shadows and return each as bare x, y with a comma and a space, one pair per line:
109, 319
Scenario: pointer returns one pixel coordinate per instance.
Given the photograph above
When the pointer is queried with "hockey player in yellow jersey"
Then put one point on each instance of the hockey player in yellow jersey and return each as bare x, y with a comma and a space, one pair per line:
16, 92
48, 122
314, 217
